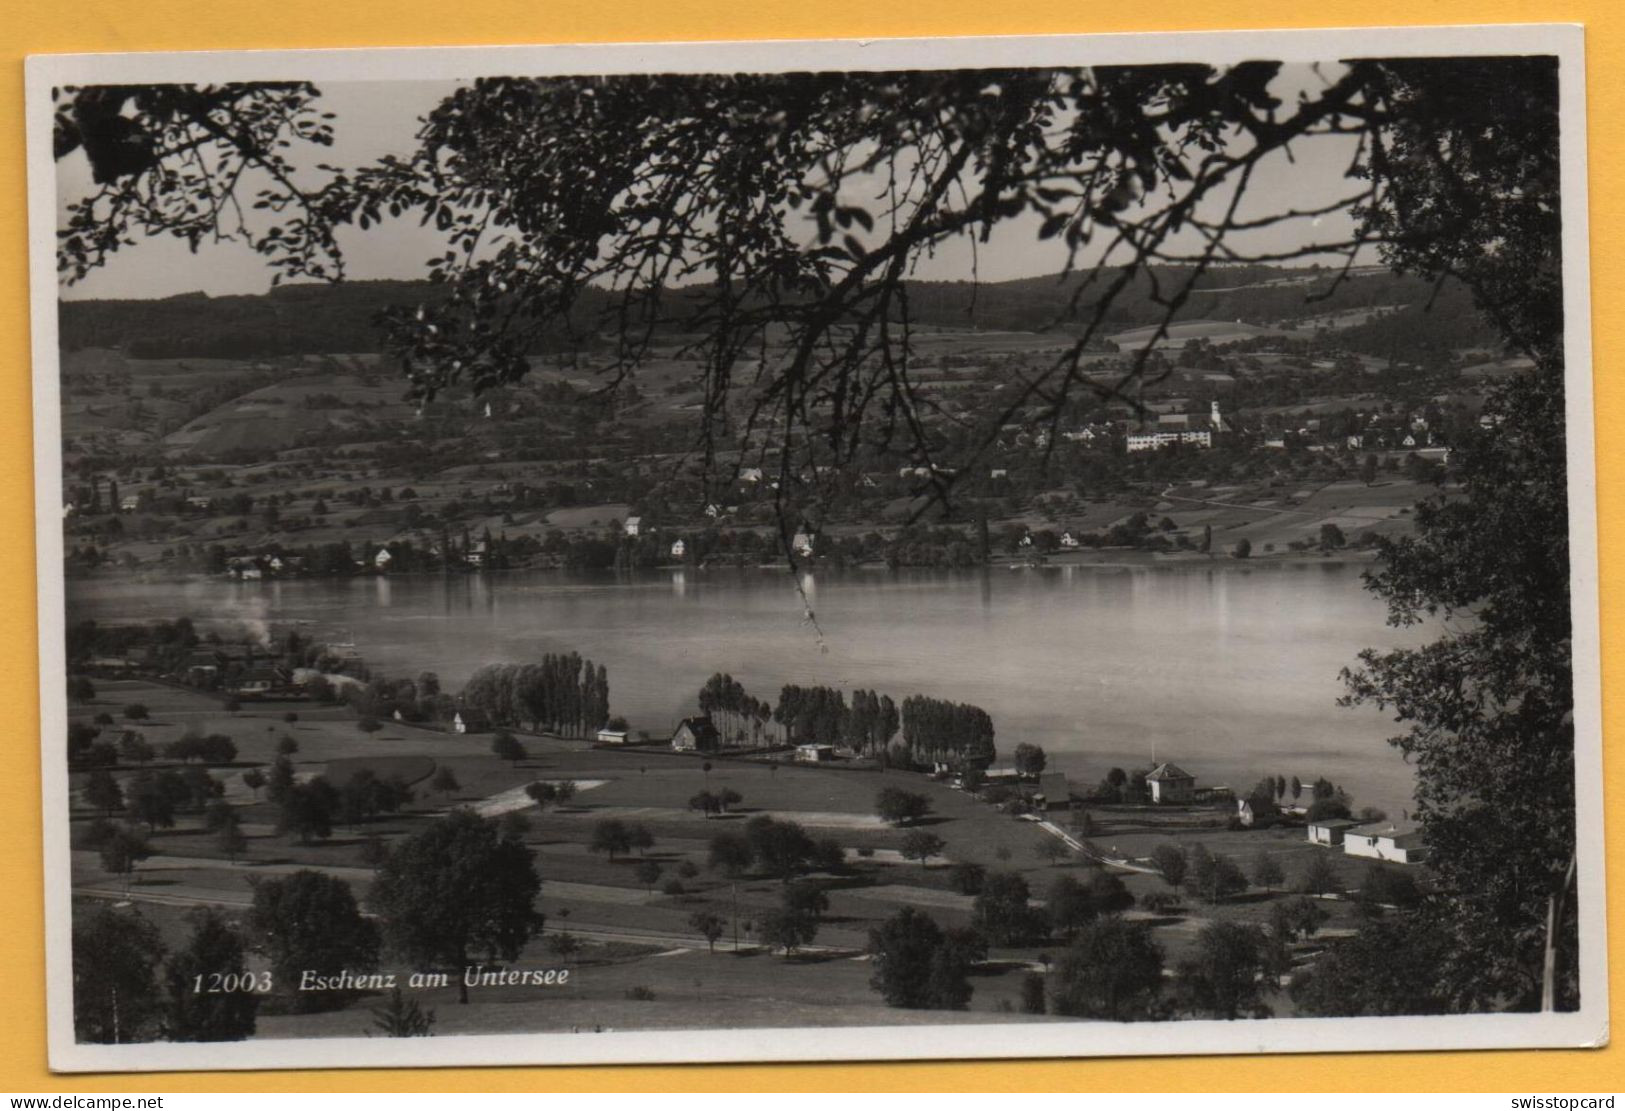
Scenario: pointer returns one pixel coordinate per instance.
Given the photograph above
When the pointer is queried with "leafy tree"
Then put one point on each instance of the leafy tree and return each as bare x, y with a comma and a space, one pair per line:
287, 746
1213, 877
1068, 904
230, 842
505, 746
1112, 970
918, 965
136, 711
219, 814
640, 838
280, 781
1243, 548
1108, 893
1221, 979
456, 889
731, 854
1052, 850
150, 799
121, 851
307, 810
1171, 863
134, 749
728, 797
648, 873
102, 792
708, 925
1389, 967
513, 826
310, 921
795, 923
401, 1017
116, 956
1032, 993
966, 877
541, 793
610, 835
706, 803
1267, 872
900, 807
1001, 912
781, 848
445, 781
922, 846
1029, 759
1319, 877
192, 1015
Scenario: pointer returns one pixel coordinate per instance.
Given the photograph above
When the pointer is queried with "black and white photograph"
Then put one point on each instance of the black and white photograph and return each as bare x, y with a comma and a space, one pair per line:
1004, 547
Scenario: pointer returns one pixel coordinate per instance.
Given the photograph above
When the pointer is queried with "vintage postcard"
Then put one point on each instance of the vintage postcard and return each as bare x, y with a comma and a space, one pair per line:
814, 550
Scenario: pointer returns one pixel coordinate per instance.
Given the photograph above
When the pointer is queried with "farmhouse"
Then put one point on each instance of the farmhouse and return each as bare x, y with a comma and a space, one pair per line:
469, 721
1169, 783
678, 549
802, 542
1156, 441
695, 735
1054, 793
383, 559
1399, 845
633, 526
1330, 831
259, 680
608, 736
815, 754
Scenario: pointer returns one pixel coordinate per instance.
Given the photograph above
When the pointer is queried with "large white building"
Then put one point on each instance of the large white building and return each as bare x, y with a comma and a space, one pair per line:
1175, 428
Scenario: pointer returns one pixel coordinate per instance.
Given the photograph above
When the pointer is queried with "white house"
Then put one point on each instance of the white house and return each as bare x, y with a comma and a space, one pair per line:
1068, 540
1396, 844
633, 526
607, 736
750, 474
1169, 783
1329, 831
678, 549
815, 754
468, 721
383, 559
802, 542
1244, 813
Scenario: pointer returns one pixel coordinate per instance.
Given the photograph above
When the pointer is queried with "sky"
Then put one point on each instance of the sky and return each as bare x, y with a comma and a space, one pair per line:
375, 118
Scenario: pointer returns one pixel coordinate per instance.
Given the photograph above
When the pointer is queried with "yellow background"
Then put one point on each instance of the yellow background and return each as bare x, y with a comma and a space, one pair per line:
41, 26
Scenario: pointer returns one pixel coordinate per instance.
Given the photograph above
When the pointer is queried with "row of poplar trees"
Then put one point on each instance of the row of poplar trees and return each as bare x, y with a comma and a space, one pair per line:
563, 694
931, 729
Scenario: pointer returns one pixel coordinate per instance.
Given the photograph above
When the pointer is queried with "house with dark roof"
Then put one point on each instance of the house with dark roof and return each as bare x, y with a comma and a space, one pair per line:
697, 734
470, 721
1169, 783
1330, 831
1053, 793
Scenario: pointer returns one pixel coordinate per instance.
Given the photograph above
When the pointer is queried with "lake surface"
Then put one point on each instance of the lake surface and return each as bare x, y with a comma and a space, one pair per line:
1230, 671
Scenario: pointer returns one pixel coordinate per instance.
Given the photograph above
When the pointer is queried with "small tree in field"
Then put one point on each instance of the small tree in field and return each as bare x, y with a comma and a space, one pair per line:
708, 925
136, 711
1170, 862
922, 846
610, 835
900, 807
368, 725
231, 842
401, 1017
287, 746
122, 851
444, 781
648, 873
102, 792
1267, 872
254, 779
1052, 850
505, 746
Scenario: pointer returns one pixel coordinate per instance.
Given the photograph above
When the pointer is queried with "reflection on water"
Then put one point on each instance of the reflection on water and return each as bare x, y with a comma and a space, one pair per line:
1231, 671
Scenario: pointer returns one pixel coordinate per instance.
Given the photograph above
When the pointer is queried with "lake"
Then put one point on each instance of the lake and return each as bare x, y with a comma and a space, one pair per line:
1230, 671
